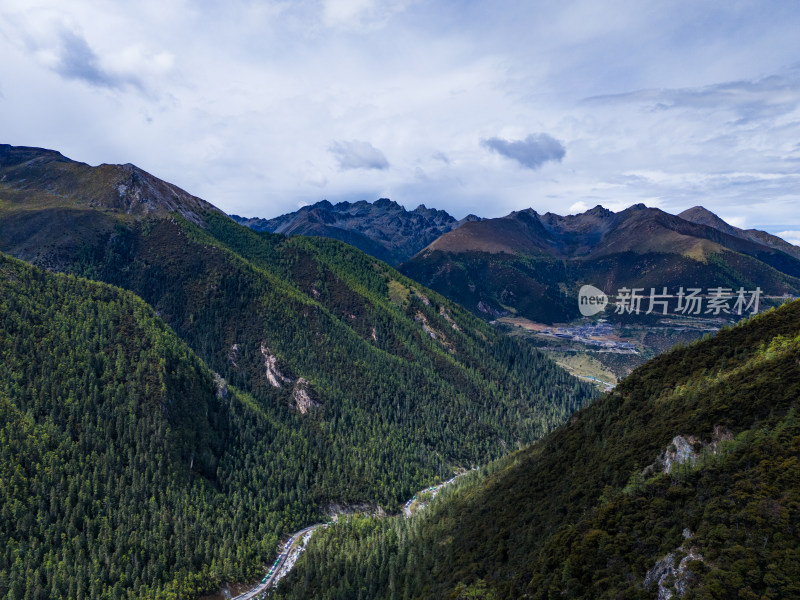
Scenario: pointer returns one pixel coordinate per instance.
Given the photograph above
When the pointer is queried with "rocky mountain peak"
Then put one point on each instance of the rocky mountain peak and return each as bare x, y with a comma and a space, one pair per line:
384, 228
125, 188
599, 211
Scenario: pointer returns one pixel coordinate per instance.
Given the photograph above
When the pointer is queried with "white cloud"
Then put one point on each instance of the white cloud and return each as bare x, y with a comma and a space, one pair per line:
358, 155
736, 221
239, 102
532, 152
315, 177
360, 14
793, 237
343, 12
578, 207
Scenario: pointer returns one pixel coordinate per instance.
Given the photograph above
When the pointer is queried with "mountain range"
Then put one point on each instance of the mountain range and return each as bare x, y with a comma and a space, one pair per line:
382, 228
532, 265
702, 216
179, 391
235, 382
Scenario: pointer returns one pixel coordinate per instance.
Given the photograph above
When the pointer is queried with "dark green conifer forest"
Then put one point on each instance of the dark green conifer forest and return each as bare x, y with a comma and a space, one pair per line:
160, 444
580, 515
129, 472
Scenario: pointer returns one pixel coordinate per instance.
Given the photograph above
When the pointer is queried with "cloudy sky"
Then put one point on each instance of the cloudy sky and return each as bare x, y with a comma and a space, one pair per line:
263, 106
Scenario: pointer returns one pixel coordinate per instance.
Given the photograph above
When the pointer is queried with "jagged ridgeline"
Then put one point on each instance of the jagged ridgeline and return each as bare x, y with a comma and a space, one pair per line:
682, 482
531, 265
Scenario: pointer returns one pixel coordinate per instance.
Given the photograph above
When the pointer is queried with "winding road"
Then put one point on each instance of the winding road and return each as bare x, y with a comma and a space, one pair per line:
291, 549
297, 543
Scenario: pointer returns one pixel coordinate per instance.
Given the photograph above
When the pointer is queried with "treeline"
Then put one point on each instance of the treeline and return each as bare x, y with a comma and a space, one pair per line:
396, 406
128, 471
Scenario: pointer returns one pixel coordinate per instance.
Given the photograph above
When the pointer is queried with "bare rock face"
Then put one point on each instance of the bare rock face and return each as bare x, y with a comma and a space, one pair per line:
425, 300
686, 449
681, 450
222, 386
674, 580
233, 355
660, 574
448, 318
422, 320
335, 509
302, 401
434, 333
274, 376
382, 228
487, 309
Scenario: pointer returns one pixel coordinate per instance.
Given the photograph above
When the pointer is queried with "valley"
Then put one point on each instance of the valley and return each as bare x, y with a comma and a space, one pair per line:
399, 300
227, 385
329, 377
658, 489
297, 542
604, 350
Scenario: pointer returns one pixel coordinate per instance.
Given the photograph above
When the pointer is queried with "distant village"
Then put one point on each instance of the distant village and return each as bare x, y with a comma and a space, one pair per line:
599, 334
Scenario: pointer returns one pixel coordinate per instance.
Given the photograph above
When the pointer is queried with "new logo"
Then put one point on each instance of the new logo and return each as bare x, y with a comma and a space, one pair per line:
591, 300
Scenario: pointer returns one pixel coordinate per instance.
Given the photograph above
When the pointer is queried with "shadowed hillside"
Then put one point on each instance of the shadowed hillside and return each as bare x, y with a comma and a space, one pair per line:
682, 482
532, 265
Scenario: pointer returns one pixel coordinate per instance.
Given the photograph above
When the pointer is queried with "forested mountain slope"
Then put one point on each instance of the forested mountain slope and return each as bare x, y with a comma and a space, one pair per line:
394, 383
372, 385
127, 470
684, 482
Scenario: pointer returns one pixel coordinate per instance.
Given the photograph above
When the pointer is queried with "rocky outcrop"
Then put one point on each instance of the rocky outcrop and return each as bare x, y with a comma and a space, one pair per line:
671, 580
681, 450
222, 386
423, 298
423, 320
487, 309
448, 318
435, 334
335, 509
686, 449
274, 376
302, 400
233, 354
